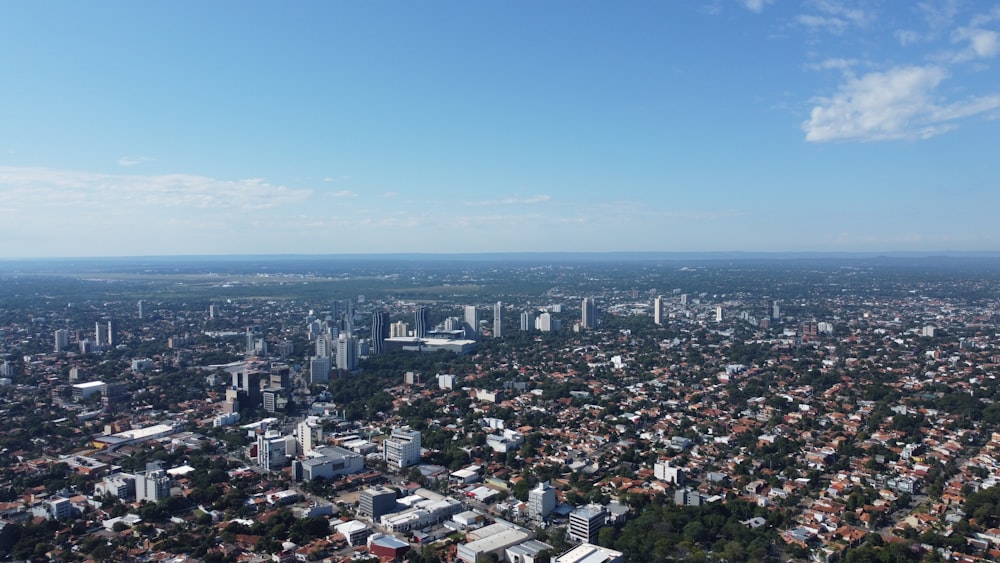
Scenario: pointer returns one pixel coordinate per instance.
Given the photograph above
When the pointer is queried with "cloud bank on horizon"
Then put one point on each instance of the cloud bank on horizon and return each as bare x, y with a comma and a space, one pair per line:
758, 125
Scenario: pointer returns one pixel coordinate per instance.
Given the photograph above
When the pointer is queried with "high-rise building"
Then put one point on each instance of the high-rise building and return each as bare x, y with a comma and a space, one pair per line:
113, 333
152, 486
684, 299
142, 308
398, 329
718, 314
471, 324
541, 501
527, 321
658, 310
61, 340
319, 370
324, 346
271, 449
585, 523
101, 334
588, 313
380, 331
421, 322
347, 353
498, 320
309, 435
775, 311
213, 311
402, 448
247, 384
545, 322
810, 331
375, 501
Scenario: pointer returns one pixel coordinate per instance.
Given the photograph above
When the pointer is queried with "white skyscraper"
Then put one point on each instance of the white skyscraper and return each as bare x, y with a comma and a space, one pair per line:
471, 323
544, 322
498, 320
101, 334
324, 346
347, 353
588, 313
527, 320
309, 435
658, 310
61, 340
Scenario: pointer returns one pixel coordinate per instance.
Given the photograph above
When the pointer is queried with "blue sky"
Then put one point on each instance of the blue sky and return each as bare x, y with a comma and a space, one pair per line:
140, 128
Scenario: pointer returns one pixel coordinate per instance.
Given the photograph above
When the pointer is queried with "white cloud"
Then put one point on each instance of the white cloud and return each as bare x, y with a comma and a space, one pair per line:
896, 104
834, 17
983, 43
530, 200
756, 6
44, 187
344, 193
833, 64
133, 160
939, 15
907, 37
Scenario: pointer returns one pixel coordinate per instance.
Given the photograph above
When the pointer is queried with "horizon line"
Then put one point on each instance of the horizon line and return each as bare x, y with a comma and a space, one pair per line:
711, 254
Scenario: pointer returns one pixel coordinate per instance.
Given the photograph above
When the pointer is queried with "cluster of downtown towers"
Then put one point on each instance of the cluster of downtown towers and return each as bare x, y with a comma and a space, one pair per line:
467, 327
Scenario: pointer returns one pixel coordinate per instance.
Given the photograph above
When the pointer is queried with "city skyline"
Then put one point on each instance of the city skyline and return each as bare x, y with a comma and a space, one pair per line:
721, 126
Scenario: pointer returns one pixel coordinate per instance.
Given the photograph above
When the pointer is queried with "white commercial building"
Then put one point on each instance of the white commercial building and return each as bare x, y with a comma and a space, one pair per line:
541, 501
402, 448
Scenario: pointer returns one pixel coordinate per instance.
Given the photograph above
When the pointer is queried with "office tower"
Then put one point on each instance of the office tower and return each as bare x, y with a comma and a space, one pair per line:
775, 311
402, 448
279, 375
498, 320
718, 314
213, 311
251, 339
421, 322
113, 333
375, 501
247, 385
658, 310
347, 353
684, 299
324, 346
61, 340
544, 322
142, 308
380, 331
347, 307
471, 324
319, 369
585, 523
273, 399
527, 320
271, 449
398, 329
588, 313
541, 501
100, 334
